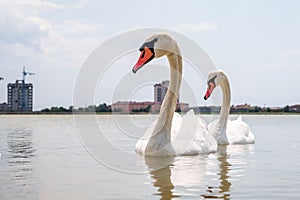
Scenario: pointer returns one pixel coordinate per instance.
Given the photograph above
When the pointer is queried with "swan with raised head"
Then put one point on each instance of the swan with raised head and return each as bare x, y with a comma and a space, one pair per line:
171, 134
223, 129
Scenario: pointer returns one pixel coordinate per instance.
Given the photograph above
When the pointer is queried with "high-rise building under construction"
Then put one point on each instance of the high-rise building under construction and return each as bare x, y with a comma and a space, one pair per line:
19, 96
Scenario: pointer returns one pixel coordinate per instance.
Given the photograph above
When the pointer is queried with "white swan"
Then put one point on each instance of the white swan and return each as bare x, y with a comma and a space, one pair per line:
171, 134
224, 130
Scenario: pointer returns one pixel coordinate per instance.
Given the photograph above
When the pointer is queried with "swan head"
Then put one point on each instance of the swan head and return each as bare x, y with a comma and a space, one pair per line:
155, 46
215, 78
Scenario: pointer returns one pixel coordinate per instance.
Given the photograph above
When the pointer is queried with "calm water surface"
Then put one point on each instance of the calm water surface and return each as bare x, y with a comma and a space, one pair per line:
42, 157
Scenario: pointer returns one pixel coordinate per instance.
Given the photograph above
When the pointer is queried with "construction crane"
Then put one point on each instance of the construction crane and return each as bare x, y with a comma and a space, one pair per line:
24, 74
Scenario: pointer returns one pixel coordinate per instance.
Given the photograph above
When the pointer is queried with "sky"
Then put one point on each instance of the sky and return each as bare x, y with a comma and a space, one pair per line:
255, 42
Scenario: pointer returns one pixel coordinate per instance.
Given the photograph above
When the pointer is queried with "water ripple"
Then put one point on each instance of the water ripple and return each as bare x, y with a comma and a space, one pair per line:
20, 151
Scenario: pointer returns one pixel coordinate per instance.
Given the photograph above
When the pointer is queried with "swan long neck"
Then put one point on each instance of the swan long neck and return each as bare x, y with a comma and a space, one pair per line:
225, 109
169, 104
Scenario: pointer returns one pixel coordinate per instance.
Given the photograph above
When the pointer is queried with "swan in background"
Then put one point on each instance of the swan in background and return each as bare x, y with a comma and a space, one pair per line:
223, 129
171, 134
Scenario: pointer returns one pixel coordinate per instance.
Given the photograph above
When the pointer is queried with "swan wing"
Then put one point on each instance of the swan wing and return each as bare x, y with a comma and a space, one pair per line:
238, 132
192, 135
176, 124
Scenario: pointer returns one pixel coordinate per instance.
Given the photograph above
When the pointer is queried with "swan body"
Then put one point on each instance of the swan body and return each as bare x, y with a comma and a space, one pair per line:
189, 136
171, 134
237, 132
223, 129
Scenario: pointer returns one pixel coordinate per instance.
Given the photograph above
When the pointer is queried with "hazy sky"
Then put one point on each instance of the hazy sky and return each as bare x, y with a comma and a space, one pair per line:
255, 42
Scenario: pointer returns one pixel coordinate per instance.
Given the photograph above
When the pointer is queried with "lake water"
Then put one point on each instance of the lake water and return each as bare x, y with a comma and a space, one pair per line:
92, 157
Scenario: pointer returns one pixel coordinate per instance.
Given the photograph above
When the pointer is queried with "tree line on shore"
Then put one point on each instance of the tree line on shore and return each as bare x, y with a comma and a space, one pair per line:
102, 108
91, 108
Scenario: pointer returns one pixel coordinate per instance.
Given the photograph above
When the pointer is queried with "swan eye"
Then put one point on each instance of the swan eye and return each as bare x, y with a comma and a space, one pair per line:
149, 44
143, 54
212, 80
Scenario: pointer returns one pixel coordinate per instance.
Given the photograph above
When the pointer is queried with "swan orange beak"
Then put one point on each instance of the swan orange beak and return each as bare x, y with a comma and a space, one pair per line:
145, 57
210, 88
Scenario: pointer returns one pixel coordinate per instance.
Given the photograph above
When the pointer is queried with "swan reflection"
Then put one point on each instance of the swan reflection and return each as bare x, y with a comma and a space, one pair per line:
172, 175
209, 176
232, 163
160, 170
222, 191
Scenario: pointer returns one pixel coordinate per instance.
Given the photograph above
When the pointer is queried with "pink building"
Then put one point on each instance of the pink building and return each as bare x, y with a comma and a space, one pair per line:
294, 108
153, 107
160, 90
131, 106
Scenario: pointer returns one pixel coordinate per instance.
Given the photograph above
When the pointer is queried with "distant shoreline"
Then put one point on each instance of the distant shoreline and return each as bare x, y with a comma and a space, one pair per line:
141, 113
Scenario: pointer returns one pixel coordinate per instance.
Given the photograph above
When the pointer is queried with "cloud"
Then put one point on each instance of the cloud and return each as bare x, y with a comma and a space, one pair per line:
71, 41
20, 21
25, 31
190, 27
78, 28
27, 8
292, 52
